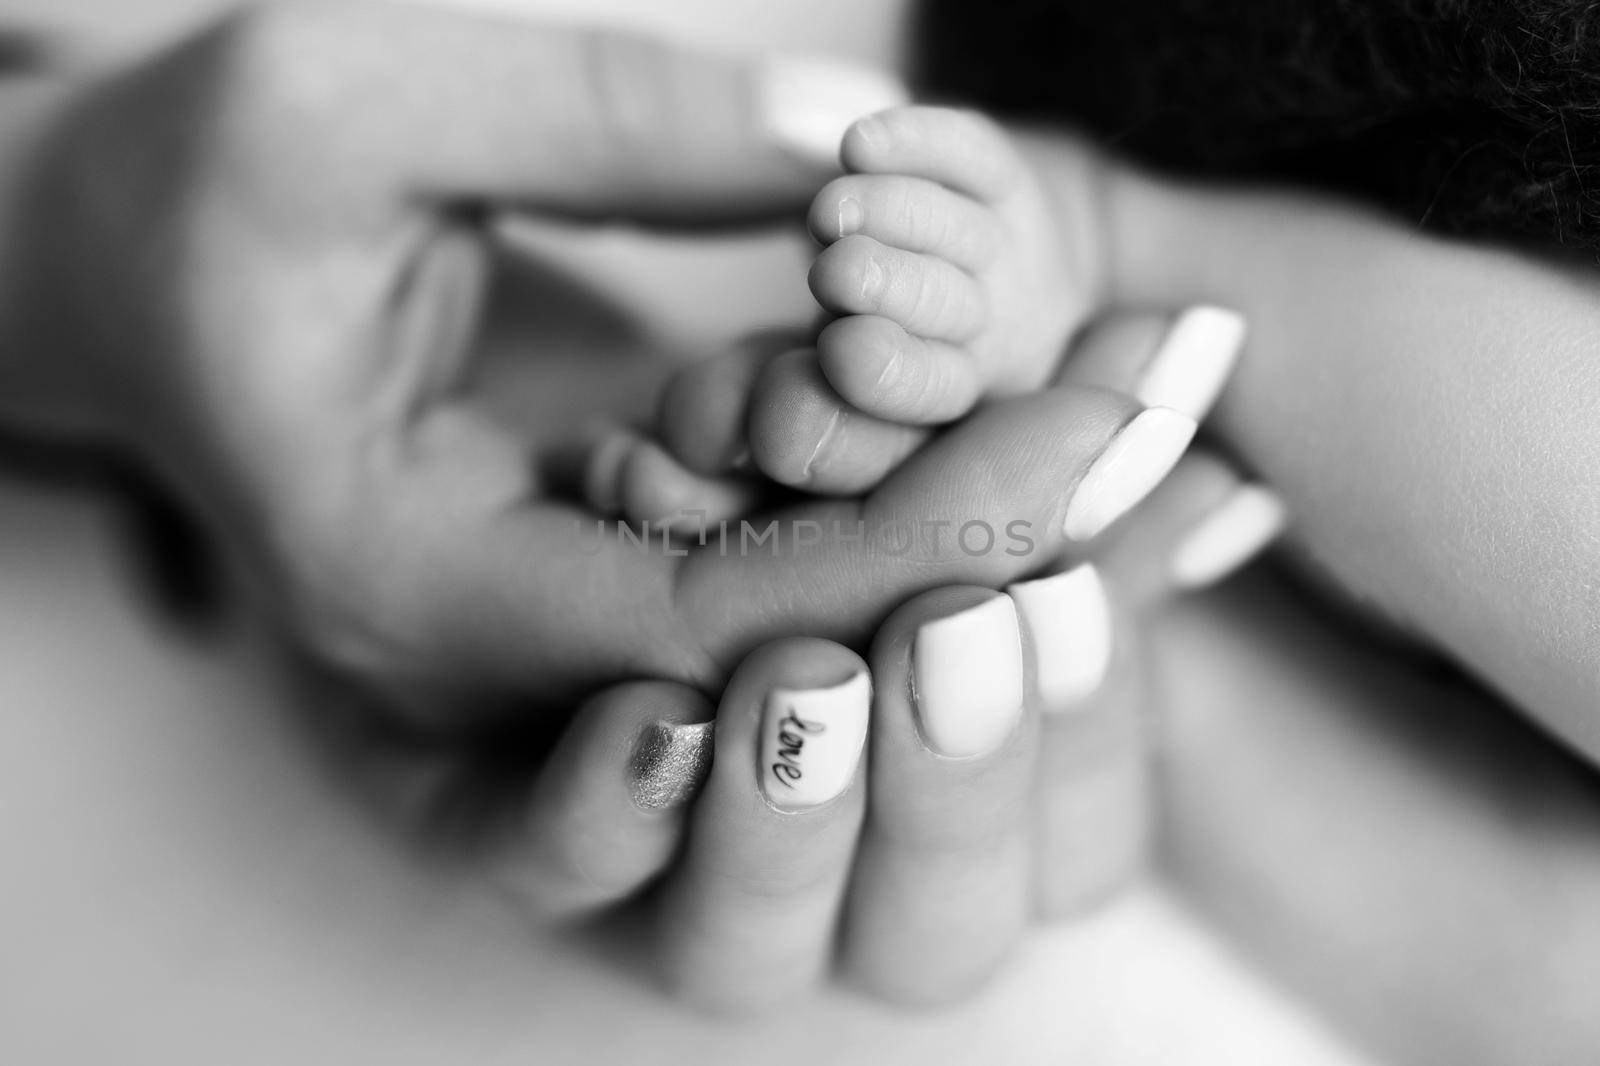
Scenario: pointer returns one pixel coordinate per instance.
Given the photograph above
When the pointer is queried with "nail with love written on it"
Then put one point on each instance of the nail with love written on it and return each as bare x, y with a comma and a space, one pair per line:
812, 740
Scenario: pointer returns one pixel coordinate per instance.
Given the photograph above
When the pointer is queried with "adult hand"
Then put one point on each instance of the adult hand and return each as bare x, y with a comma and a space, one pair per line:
258, 260
1006, 776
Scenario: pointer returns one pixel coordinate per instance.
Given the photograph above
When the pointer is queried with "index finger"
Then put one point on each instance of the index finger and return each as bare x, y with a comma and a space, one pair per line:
546, 599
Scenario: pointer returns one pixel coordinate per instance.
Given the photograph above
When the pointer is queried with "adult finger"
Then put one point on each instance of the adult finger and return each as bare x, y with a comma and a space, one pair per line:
1092, 792
607, 812
942, 881
747, 919
1090, 800
579, 120
487, 587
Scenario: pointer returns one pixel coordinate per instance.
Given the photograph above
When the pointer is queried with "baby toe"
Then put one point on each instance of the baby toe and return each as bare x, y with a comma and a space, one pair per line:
923, 294
959, 149
891, 374
657, 489
701, 418
914, 214
803, 434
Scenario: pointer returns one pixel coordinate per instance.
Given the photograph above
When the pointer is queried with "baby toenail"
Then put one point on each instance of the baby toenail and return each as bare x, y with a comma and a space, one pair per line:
872, 132
850, 216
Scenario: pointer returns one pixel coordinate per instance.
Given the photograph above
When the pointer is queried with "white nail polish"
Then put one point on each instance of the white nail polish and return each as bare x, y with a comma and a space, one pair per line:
1069, 622
811, 741
1135, 462
1192, 365
966, 676
1227, 538
808, 103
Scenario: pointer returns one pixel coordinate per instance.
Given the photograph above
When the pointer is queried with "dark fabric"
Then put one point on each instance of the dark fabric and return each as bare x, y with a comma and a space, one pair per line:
1478, 117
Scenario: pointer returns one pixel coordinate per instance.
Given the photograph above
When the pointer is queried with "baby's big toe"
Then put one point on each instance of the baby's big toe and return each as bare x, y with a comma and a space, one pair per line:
802, 434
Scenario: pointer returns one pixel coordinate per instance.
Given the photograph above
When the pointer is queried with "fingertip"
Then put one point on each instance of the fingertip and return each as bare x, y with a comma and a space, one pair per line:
748, 917
606, 813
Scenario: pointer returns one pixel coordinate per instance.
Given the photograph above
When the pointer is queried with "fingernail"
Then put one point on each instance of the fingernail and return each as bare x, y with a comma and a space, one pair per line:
670, 762
966, 676
1192, 365
811, 741
1070, 623
1135, 462
1227, 538
808, 103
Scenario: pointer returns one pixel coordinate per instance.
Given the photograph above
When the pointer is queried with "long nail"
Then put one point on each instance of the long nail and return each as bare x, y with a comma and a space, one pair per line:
1141, 454
966, 676
670, 762
807, 103
1227, 538
1192, 365
811, 741
1070, 624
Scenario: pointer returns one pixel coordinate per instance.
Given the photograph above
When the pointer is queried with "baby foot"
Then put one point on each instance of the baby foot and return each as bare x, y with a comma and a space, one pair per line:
957, 274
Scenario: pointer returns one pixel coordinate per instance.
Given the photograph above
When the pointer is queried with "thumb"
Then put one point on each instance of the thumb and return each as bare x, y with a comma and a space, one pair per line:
598, 121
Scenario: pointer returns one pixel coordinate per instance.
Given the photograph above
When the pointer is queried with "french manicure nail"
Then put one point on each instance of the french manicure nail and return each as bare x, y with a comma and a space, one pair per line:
1192, 365
811, 741
1141, 454
670, 763
1227, 538
807, 103
966, 676
1070, 624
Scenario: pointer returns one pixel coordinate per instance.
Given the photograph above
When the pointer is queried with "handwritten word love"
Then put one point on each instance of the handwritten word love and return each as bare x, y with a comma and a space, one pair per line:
792, 733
